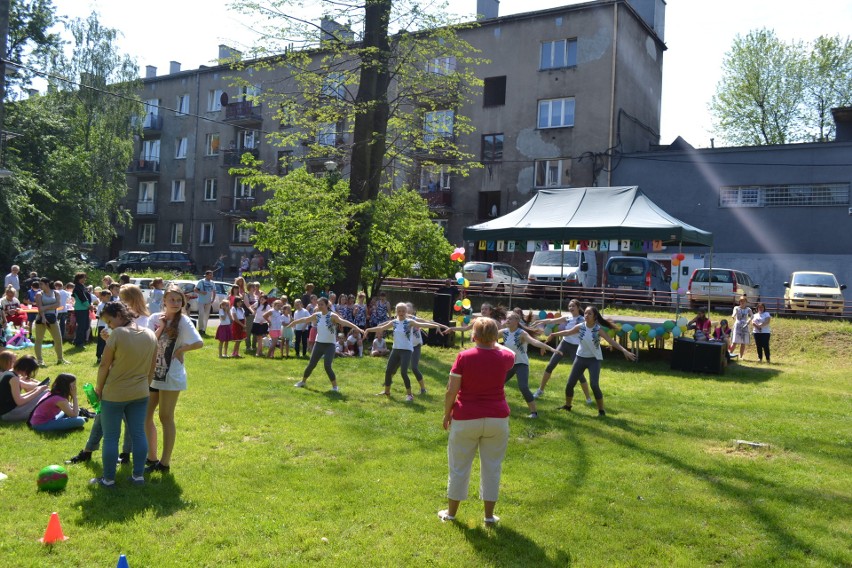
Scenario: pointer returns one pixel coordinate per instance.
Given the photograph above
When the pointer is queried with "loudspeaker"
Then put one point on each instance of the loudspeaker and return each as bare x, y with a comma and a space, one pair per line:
683, 351
709, 357
442, 305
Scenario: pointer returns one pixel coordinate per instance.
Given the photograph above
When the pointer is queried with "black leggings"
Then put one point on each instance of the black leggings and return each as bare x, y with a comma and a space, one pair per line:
399, 359
301, 340
326, 351
564, 348
580, 365
762, 342
522, 370
415, 363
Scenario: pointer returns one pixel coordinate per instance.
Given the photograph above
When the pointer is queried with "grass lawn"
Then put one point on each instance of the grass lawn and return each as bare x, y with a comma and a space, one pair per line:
268, 475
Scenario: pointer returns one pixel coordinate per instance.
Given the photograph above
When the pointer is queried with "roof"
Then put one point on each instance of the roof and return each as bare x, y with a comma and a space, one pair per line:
590, 213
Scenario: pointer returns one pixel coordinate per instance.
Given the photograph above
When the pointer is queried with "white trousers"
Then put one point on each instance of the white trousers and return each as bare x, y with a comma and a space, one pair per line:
490, 436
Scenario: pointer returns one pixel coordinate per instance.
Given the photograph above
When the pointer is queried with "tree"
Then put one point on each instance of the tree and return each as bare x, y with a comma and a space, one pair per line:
377, 102
69, 163
30, 38
773, 92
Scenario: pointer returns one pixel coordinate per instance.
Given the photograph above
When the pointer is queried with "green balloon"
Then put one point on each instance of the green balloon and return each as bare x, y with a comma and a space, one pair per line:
634, 335
668, 325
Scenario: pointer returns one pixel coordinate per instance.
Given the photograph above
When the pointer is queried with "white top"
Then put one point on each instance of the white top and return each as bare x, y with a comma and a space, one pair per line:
224, 317
590, 342
402, 332
326, 328
512, 340
64, 298
761, 319
13, 280
155, 300
379, 344
169, 373
572, 322
142, 321
352, 339
299, 314
275, 320
238, 314
285, 320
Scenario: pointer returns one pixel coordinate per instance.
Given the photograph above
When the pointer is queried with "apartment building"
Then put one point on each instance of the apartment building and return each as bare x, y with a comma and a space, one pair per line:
564, 89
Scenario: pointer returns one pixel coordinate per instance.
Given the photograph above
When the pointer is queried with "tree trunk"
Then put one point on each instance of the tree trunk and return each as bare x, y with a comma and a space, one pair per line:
369, 133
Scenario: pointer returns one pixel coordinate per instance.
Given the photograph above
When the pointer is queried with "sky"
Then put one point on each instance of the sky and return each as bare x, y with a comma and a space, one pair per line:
698, 33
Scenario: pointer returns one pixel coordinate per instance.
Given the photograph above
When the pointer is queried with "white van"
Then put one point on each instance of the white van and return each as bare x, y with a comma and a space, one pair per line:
573, 267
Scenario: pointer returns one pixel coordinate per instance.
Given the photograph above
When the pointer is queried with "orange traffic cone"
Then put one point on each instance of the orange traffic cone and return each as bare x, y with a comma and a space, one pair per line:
54, 530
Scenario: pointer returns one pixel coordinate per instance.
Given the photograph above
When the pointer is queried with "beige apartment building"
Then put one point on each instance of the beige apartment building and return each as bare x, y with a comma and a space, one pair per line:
564, 89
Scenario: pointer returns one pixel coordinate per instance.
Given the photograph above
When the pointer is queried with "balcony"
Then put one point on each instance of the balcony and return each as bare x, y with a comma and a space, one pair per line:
243, 113
152, 124
144, 168
146, 208
441, 199
235, 206
232, 158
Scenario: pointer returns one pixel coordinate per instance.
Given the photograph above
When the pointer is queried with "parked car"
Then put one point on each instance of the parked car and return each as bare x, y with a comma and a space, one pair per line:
144, 285
814, 292
161, 260
640, 279
125, 260
720, 286
497, 276
575, 268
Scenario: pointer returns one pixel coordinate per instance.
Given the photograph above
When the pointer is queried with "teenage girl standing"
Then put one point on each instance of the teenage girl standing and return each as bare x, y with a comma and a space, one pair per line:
517, 339
567, 347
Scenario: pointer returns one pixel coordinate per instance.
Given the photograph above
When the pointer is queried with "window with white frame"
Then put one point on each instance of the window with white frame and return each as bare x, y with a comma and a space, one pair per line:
443, 223
210, 189
242, 190
327, 134
177, 234
146, 233
248, 139
552, 173
147, 196
152, 111
214, 100
180, 148
441, 65
242, 234
558, 54
150, 151
182, 105
206, 234
794, 195
438, 124
434, 178
178, 190
334, 86
556, 113
211, 144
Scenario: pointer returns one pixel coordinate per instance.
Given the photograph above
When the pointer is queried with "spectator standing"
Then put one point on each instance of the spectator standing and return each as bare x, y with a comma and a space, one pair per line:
13, 279
206, 291
82, 305
761, 331
742, 316
219, 267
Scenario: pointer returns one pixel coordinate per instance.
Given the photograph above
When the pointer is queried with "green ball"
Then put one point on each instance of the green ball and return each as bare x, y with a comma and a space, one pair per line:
52, 478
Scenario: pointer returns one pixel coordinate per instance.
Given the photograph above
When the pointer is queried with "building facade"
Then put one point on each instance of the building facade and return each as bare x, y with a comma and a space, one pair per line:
565, 88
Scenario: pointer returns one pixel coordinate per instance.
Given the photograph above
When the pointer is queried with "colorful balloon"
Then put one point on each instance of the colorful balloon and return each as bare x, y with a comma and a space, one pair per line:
466, 303
681, 291
676, 332
466, 283
460, 280
459, 275
680, 256
627, 328
675, 263
466, 320
634, 335
461, 258
542, 315
675, 285
457, 308
681, 321
668, 325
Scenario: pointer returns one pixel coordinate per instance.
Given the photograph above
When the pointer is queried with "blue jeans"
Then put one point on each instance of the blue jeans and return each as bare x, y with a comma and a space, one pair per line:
112, 413
61, 422
97, 434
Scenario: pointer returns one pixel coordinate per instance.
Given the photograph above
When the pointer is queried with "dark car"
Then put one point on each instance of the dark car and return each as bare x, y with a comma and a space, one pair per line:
639, 278
126, 260
165, 260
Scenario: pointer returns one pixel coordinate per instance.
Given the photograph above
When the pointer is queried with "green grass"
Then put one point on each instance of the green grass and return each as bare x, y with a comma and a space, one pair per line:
268, 475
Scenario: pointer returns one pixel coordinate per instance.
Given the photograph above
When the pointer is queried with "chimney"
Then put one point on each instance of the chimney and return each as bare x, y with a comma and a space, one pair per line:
227, 54
174, 67
32, 92
487, 9
332, 30
842, 124
150, 71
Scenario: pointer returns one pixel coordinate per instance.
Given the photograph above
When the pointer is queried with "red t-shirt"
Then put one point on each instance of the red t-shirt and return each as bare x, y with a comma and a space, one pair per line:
483, 372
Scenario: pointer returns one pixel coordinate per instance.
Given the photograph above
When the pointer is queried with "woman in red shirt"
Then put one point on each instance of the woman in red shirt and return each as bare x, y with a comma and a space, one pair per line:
477, 416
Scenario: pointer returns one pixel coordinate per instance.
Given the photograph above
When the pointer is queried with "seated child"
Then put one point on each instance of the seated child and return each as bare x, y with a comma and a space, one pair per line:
355, 344
340, 348
59, 409
379, 347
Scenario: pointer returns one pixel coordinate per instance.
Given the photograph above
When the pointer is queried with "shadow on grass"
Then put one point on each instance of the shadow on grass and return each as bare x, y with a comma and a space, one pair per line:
161, 495
494, 545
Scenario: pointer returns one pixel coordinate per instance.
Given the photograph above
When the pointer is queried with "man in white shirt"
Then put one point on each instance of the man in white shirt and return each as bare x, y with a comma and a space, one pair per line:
206, 291
12, 278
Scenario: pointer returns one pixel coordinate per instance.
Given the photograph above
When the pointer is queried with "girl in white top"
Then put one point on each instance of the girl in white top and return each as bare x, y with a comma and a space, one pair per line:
517, 340
47, 301
404, 328
761, 330
175, 336
568, 346
287, 334
417, 346
589, 354
742, 317
131, 296
223, 332
326, 323
301, 330
275, 319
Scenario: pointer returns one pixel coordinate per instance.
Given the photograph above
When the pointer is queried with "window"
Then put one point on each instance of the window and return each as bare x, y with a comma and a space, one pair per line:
248, 139
552, 173
214, 100
242, 190
210, 189
152, 110
558, 54
146, 233
284, 157
739, 197
803, 195
147, 195
178, 190
555, 113
494, 92
489, 204
333, 86
242, 234
492, 148
211, 144
327, 134
177, 234
441, 65
434, 178
248, 92
180, 148
438, 124
150, 151
206, 234
182, 105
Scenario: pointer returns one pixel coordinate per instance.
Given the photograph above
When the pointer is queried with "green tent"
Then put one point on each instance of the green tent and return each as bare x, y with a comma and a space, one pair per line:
589, 213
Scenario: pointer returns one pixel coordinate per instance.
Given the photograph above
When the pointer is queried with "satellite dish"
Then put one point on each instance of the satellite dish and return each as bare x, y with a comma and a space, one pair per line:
224, 99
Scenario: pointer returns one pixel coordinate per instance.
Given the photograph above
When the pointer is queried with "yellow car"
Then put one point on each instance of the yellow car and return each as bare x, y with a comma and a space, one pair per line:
814, 292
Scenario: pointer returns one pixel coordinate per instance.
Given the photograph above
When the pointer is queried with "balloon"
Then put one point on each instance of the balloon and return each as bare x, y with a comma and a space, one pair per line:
668, 335
675, 263
457, 308
681, 321
466, 319
461, 250
674, 256
466, 303
681, 291
660, 331
466, 283
668, 324
460, 280
550, 315
627, 328
676, 331
454, 256
680, 255
634, 336
461, 258
652, 334
542, 315
459, 275
675, 285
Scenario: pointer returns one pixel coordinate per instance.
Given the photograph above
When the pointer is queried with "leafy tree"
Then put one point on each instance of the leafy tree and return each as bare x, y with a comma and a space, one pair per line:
367, 101
30, 38
774, 92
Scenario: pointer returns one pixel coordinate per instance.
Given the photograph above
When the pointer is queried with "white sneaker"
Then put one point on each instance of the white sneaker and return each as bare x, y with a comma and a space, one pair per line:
335, 389
538, 393
492, 520
409, 398
590, 401
300, 384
